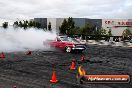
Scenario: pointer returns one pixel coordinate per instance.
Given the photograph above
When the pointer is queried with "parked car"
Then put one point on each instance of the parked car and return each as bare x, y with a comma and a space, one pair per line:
130, 41
67, 44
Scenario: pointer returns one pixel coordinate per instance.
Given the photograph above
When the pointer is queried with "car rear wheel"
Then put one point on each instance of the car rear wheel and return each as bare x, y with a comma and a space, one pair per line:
68, 49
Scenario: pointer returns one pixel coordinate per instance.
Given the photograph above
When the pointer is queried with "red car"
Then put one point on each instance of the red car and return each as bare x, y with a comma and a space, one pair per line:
67, 44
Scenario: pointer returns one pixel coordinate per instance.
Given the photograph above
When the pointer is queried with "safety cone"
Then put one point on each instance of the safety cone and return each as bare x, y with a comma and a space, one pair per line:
14, 86
72, 65
2, 55
54, 80
82, 58
29, 53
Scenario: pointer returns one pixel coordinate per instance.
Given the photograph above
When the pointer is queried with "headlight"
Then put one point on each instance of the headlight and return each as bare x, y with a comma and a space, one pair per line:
73, 45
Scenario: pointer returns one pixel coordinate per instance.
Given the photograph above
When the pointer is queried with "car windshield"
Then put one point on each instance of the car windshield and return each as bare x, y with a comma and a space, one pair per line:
68, 39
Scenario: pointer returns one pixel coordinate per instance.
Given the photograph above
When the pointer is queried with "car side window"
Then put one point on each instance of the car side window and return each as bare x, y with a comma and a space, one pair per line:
58, 40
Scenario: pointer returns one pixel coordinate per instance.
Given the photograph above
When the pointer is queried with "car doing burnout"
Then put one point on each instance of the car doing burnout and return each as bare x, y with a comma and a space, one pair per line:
67, 44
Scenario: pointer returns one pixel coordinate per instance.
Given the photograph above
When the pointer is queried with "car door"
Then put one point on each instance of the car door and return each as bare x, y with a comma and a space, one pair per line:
60, 44
54, 43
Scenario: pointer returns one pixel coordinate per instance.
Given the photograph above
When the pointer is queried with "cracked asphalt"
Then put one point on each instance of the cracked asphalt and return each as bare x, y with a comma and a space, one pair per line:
35, 70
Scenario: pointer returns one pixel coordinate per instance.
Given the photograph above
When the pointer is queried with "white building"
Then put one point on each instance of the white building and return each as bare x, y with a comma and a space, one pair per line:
55, 23
117, 26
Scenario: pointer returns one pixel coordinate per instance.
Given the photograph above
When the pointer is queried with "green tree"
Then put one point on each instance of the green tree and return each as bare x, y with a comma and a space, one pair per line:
75, 30
126, 33
63, 27
88, 29
79, 30
20, 24
109, 32
5, 25
30, 24
70, 24
25, 24
49, 26
15, 24
67, 26
103, 32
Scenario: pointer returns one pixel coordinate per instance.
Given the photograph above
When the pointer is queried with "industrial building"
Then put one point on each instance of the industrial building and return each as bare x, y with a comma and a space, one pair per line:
57, 22
117, 26
42, 21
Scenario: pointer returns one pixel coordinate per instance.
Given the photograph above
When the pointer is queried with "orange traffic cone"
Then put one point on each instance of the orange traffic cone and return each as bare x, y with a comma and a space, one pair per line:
72, 65
14, 86
82, 58
29, 53
54, 80
2, 55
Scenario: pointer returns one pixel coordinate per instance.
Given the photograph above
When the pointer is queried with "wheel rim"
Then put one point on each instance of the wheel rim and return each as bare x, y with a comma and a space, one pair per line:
68, 49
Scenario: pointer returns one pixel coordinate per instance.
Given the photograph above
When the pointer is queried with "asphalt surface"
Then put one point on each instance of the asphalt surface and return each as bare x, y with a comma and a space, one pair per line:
35, 70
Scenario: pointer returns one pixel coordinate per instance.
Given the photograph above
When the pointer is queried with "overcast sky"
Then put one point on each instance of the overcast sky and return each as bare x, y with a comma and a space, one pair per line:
26, 9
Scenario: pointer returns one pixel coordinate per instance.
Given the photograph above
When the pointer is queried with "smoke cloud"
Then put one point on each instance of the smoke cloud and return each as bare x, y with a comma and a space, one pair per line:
20, 40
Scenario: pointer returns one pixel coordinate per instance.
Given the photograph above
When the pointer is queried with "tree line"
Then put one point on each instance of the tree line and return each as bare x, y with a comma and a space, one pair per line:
68, 27
26, 24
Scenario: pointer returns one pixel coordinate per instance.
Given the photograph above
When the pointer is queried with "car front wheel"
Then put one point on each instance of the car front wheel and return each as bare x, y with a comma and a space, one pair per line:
68, 49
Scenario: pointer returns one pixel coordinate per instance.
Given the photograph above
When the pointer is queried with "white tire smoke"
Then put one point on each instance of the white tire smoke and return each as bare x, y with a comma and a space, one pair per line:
20, 40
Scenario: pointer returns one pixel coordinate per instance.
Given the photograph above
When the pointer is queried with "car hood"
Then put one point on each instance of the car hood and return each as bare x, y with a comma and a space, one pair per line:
73, 42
